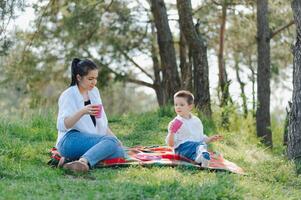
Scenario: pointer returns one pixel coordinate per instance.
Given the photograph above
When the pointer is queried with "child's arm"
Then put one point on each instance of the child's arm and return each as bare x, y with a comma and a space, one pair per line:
170, 139
173, 128
213, 138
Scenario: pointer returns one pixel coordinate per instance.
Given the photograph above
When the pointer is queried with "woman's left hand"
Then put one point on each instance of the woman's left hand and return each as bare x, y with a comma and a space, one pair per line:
112, 134
120, 143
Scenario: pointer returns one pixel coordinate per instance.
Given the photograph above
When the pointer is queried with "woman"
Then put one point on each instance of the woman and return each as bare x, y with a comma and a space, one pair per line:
83, 132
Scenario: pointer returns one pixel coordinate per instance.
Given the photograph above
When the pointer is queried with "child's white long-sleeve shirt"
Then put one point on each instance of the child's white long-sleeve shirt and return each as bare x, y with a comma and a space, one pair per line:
191, 130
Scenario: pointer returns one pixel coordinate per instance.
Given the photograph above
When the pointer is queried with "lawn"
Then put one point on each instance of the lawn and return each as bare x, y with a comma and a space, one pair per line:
24, 174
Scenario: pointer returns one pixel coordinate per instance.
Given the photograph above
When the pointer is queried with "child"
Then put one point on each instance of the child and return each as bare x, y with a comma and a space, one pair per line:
185, 131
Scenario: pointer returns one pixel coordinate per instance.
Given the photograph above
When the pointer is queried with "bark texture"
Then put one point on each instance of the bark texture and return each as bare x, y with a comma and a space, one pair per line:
198, 49
161, 95
294, 129
242, 88
171, 80
222, 76
185, 64
263, 121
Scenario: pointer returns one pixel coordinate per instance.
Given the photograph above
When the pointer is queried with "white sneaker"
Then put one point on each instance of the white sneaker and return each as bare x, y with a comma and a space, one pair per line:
203, 159
205, 162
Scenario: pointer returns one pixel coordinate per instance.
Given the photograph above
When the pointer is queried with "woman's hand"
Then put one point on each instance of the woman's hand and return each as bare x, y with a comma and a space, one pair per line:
214, 138
120, 143
91, 109
110, 132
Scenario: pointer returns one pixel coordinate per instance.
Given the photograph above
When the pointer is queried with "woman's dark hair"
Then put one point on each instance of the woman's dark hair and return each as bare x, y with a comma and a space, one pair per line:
81, 67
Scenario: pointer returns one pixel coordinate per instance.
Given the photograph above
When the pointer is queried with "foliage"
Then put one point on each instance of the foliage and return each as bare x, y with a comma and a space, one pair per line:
103, 31
25, 141
240, 37
8, 10
37, 67
120, 98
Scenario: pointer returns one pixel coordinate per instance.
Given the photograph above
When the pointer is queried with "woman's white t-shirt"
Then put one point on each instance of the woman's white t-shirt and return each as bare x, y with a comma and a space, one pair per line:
70, 102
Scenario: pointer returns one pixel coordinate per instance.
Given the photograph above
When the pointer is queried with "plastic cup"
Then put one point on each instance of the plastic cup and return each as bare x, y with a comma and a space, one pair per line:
176, 125
99, 113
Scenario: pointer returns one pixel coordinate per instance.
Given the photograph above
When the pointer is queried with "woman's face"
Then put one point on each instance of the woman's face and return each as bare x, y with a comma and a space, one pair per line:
89, 81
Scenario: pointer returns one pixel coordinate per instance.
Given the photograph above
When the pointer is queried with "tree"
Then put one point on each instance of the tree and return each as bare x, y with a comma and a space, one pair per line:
294, 130
185, 64
171, 80
198, 50
106, 32
263, 121
223, 79
242, 86
115, 33
160, 91
7, 13
110, 33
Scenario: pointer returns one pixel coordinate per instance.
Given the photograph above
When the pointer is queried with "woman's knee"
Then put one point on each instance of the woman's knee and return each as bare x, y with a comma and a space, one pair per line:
111, 138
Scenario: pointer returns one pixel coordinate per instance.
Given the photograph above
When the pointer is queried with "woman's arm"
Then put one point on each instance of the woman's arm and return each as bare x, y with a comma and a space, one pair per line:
71, 121
110, 132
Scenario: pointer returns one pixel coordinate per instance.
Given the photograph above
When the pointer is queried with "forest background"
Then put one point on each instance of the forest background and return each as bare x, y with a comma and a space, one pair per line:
36, 66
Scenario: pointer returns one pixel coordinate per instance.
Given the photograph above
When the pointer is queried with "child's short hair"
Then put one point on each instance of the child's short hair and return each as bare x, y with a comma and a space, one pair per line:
185, 94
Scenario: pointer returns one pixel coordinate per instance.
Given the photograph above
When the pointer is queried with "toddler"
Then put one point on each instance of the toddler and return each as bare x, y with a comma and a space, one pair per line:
185, 131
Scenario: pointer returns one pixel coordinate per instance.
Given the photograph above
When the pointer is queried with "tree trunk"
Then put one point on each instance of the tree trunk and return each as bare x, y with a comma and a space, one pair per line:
263, 121
171, 80
242, 88
161, 98
222, 76
253, 79
286, 123
199, 54
294, 130
185, 65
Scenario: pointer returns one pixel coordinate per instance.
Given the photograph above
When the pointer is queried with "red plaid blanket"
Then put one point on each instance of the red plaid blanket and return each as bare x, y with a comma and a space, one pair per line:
158, 155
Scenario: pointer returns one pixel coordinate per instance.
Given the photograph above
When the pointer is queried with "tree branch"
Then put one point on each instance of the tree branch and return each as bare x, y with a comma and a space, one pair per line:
216, 3
139, 82
28, 45
126, 77
232, 3
274, 33
108, 7
281, 29
135, 64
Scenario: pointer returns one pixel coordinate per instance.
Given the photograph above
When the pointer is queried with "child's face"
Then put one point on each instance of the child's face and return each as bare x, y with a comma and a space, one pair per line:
182, 107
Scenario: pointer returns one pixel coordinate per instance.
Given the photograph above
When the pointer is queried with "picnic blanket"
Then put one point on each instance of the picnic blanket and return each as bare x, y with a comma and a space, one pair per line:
158, 156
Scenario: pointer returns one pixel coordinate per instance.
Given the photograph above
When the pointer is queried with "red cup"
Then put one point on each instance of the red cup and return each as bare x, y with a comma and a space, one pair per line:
99, 113
176, 125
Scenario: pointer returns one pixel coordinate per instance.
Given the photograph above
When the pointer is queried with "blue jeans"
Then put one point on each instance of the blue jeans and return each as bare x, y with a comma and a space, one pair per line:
92, 147
189, 149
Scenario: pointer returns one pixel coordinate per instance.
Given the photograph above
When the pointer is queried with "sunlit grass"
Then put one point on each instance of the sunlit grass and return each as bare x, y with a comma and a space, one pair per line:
24, 174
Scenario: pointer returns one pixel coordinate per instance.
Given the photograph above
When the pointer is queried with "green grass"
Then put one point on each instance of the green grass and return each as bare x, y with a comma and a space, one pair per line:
24, 174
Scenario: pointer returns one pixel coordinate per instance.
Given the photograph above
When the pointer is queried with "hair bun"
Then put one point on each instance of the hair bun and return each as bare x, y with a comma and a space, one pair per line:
75, 61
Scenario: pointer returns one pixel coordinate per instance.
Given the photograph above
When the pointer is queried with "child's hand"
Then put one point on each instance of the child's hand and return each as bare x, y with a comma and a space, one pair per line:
215, 138
175, 126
